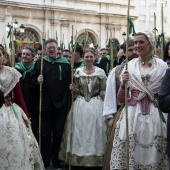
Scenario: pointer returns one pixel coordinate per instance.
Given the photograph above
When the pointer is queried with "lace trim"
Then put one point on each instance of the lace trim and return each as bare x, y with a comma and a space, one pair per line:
9, 77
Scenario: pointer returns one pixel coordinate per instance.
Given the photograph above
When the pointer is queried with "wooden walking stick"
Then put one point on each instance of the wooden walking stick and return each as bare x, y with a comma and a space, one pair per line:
40, 99
126, 92
162, 39
111, 52
72, 98
155, 30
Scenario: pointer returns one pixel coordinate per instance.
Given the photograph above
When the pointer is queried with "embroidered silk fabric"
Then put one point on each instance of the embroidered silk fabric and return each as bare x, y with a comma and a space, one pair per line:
89, 129
18, 147
147, 133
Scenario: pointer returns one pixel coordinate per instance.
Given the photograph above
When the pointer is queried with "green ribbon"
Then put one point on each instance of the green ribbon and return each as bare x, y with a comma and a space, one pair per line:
131, 27
15, 113
25, 70
110, 42
97, 46
9, 33
158, 43
62, 46
98, 60
155, 29
84, 43
160, 112
70, 44
57, 60
81, 65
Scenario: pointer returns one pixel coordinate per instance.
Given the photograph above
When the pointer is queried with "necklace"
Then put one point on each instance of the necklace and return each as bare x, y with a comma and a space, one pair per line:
89, 71
149, 61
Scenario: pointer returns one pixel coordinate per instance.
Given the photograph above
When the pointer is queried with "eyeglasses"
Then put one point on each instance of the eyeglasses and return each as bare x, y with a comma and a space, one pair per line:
89, 57
27, 54
66, 56
102, 53
51, 48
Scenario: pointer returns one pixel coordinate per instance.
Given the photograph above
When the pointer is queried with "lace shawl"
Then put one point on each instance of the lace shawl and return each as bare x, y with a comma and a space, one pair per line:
9, 77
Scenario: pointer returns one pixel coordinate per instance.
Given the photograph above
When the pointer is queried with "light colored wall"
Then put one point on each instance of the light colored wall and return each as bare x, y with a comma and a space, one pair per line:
148, 11
59, 15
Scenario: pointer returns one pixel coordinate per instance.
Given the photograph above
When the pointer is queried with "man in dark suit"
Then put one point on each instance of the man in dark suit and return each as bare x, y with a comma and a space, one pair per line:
55, 80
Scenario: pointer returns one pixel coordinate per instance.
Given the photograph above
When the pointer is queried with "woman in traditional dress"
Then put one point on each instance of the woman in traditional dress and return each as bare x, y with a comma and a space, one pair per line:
147, 127
18, 147
88, 126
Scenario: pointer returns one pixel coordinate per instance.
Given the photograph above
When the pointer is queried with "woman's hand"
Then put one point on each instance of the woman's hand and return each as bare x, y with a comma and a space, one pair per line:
110, 122
73, 88
125, 77
40, 79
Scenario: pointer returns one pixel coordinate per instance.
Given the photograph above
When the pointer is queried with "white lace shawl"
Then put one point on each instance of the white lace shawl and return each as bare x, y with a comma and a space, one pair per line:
156, 75
9, 77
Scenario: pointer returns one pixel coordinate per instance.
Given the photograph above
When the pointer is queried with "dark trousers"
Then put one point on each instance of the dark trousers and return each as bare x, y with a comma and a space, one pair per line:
52, 129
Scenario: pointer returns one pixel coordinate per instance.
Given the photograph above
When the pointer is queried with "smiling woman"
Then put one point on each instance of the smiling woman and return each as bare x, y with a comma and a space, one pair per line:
147, 127
89, 128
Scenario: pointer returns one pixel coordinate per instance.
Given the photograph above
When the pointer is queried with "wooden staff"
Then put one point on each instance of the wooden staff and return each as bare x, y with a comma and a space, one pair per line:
111, 51
72, 100
155, 30
4, 44
63, 39
106, 36
47, 34
162, 39
126, 92
12, 48
40, 99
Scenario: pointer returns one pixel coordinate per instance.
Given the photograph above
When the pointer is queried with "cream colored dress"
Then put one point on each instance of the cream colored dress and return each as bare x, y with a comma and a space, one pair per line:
147, 133
18, 147
89, 128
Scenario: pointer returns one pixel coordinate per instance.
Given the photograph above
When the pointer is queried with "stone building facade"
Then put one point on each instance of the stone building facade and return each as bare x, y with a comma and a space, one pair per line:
95, 20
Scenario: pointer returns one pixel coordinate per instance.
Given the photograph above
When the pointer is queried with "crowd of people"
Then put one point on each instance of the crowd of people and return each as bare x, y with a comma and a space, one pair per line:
89, 131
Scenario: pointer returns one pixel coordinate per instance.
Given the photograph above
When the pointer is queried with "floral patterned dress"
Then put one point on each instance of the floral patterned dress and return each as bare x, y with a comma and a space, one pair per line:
18, 147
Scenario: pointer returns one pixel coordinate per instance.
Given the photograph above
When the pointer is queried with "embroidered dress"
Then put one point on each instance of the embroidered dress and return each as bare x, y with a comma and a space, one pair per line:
89, 129
18, 147
147, 131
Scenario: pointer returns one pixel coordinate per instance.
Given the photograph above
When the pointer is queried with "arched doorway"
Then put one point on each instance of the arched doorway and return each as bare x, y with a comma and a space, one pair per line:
86, 36
29, 37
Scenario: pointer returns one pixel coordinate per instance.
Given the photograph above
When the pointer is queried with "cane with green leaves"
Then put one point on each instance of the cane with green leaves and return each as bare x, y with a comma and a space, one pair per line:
130, 29
73, 47
40, 97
